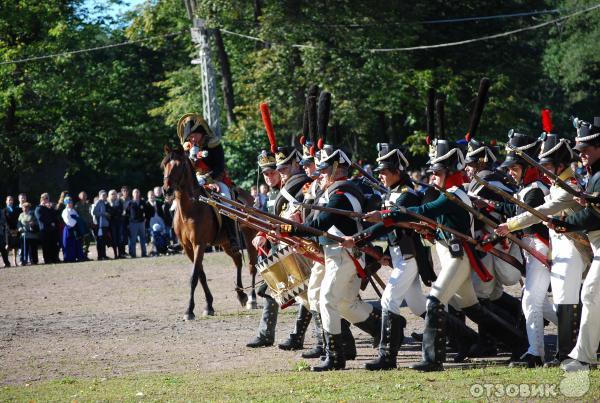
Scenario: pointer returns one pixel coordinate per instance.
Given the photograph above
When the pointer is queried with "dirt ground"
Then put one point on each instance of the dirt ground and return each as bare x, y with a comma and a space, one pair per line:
118, 317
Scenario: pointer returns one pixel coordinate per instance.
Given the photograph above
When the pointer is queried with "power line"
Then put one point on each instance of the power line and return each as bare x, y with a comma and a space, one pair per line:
488, 37
424, 22
73, 52
424, 47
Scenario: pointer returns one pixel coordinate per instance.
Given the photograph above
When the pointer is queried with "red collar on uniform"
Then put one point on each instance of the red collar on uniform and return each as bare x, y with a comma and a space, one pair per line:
533, 174
454, 179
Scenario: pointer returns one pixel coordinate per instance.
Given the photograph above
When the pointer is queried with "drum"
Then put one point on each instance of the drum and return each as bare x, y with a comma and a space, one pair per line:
286, 273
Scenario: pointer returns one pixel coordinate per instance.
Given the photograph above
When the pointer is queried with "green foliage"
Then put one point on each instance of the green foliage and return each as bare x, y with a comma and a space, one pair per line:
99, 119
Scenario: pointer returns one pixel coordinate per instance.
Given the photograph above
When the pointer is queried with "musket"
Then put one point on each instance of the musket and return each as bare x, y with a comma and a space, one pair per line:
468, 239
346, 213
574, 237
488, 221
549, 173
282, 220
370, 179
305, 247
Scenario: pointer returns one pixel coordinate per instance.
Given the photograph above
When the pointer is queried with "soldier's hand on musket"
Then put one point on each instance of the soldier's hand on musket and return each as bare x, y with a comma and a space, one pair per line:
214, 187
502, 229
373, 216
581, 201
348, 242
479, 203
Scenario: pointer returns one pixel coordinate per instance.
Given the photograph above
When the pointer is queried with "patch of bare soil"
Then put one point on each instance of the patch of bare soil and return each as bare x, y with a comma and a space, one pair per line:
110, 318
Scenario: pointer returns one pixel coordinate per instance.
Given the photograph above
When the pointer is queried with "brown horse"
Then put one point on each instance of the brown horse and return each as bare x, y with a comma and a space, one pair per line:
197, 227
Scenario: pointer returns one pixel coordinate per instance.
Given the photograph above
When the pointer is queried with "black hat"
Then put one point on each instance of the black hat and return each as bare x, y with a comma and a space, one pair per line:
390, 157
307, 156
478, 151
587, 134
266, 160
555, 150
521, 142
329, 155
445, 155
286, 155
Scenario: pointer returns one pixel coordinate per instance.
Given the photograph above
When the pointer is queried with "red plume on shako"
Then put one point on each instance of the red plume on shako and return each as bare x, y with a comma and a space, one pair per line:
266, 117
547, 120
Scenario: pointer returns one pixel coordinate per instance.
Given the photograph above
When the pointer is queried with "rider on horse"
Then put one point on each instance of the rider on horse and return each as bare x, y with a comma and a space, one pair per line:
208, 158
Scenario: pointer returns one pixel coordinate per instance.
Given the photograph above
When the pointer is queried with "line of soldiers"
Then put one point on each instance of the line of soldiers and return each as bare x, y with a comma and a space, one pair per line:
470, 224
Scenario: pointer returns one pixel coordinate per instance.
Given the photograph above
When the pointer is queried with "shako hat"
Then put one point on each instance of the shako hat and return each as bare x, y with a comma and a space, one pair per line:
554, 149
266, 160
286, 155
390, 157
521, 142
588, 134
480, 152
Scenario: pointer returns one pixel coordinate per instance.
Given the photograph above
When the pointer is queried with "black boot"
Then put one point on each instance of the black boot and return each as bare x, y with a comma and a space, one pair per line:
568, 329
266, 327
296, 339
334, 355
512, 337
348, 342
485, 345
527, 361
392, 336
372, 325
319, 348
461, 335
434, 338
232, 234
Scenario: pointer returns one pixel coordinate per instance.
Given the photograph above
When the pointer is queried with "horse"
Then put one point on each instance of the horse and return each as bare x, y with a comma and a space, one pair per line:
196, 226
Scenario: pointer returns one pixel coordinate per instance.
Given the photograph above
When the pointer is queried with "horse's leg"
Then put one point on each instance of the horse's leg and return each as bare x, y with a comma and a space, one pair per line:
252, 261
198, 256
189, 314
237, 260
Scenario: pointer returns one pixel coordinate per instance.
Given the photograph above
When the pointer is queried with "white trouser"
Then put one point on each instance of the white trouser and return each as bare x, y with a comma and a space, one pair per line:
317, 272
589, 330
487, 289
404, 284
567, 269
339, 291
454, 280
535, 303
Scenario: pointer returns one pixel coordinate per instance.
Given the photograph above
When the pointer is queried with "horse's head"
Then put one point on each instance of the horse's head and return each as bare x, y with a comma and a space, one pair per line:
176, 169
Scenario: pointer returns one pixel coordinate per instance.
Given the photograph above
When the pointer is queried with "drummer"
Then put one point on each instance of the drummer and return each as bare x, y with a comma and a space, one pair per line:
291, 183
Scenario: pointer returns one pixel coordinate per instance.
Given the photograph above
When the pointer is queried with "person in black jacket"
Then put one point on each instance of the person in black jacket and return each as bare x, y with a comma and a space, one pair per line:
137, 223
11, 213
47, 217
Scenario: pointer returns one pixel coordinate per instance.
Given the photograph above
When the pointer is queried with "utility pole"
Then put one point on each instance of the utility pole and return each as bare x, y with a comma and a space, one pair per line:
200, 37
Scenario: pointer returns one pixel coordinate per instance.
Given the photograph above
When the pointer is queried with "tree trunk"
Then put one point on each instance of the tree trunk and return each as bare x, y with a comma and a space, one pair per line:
227, 82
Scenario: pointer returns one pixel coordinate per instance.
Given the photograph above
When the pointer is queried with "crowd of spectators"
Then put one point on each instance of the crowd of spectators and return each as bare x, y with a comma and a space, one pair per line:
113, 220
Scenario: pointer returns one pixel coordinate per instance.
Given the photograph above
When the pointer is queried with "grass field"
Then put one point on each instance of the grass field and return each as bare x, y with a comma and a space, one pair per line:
298, 384
113, 331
